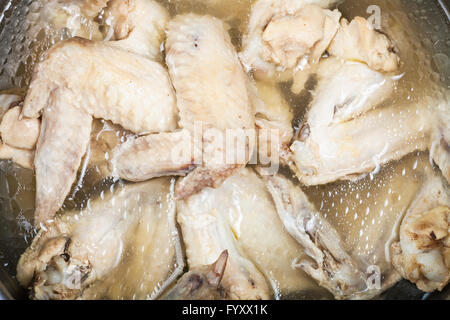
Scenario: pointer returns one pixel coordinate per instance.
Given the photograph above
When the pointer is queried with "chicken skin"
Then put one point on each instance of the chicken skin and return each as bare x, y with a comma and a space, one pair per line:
77, 82
213, 100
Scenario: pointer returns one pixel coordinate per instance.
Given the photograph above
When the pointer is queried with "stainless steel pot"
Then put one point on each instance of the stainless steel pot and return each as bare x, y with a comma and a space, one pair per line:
432, 18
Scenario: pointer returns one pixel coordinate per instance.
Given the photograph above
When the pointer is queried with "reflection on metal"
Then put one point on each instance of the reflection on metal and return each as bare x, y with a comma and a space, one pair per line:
445, 6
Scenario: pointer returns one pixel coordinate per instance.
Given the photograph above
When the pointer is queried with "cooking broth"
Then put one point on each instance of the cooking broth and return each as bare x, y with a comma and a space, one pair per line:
365, 212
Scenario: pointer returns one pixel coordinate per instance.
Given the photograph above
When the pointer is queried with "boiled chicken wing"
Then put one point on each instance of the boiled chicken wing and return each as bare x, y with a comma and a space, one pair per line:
282, 32
18, 136
74, 17
200, 283
136, 26
249, 228
341, 137
422, 254
329, 262
123, 245
78, 81
213, 101
273, 119
63, 141
359, 41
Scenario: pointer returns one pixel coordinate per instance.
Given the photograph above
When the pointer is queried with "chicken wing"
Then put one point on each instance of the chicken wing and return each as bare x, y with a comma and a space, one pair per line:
200, 283
135, 93
359, 41
281, 32
329, 262
249, 227
137, 26
273, 119
18, 136
63, 141
153, 156
19, 133
206, 234
75, 17
124, 245
84, 66
440, 146
422, 254
211, 91
341, 138
213, 100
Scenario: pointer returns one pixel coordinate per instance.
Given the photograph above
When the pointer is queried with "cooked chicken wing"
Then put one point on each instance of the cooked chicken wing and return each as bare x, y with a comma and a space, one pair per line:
329, 262
359, 41
248, 226
440, 146
18, 136
200, 283
422, 254
211, 92
213, 100
153, 156
124, 245
77, 81
76, 17
84, 66
63, 141
206, 234
341, 137
19, 133
273, 122
21, 157
137, 26
281, 32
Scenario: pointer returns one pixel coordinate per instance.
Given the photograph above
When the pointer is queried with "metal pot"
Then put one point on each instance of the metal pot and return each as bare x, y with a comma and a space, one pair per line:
432, 18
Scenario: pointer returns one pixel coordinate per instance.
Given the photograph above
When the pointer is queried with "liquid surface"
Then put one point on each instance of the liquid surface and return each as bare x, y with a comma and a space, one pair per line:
364, 212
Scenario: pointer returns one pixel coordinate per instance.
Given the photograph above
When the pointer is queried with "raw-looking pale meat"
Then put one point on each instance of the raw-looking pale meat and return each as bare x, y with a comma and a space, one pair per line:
81, 79
359, 41
200, 283
346, 135
328, 260
124, 245
249, 228
212, 96
281, 32
422, 254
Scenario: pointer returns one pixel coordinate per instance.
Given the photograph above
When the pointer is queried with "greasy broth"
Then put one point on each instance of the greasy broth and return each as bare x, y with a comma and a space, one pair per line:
365, 212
